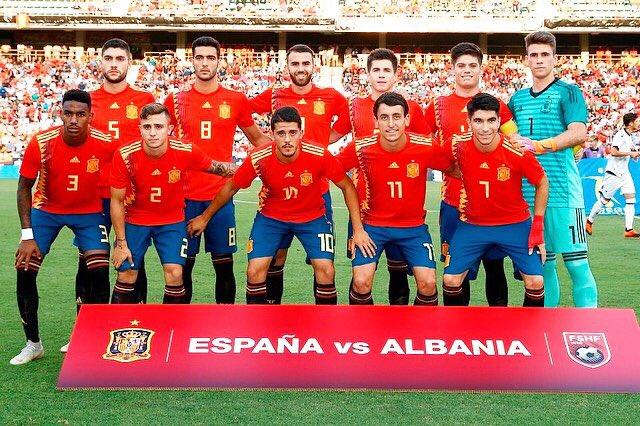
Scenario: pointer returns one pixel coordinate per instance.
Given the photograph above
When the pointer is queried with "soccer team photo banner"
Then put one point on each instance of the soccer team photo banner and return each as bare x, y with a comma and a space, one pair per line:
359, 347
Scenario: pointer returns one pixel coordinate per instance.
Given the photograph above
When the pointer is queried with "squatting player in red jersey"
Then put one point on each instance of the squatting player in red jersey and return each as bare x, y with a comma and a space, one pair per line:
207, 116
291, 204
115, 106
446, 116
318, 107
154, 168
393, 166
382, 68
493, 212
66, 161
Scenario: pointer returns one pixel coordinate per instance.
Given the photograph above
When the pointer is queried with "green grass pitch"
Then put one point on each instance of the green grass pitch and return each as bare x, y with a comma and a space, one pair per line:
29, 394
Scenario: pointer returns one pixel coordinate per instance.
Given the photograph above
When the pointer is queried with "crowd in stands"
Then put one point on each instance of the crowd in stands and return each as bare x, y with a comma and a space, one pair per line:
30, 91
431, 8
229, 8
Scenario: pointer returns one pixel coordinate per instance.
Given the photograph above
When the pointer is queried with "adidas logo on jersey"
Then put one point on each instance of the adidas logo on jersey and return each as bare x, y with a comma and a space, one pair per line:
114, 106
288, 175
302, 102
75, 160
394, 165
484, 166
206, 105
156, 172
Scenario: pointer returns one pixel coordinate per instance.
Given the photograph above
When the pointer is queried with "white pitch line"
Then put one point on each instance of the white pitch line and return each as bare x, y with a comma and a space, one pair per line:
169, 348
548, 348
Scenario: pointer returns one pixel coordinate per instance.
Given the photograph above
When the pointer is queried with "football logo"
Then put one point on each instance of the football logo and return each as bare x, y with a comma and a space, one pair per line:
174, 176
504, 173
249, 245
129, 345
318, 107
132, 112
224, 111
93, 165
413, 170
306, 179
587, 349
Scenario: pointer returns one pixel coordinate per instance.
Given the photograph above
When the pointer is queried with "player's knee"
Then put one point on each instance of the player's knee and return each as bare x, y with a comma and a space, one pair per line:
426, 285
362, 283
324, 271
256, 273
172, 274
533, 282
451, 280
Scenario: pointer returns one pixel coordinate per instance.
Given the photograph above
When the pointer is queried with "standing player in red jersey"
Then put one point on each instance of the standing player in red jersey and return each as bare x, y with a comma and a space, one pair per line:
318, 108
493, 211
393, 167
115, 106
382, 69
154, 168
66, 162
291, 204
447, 116
207, 115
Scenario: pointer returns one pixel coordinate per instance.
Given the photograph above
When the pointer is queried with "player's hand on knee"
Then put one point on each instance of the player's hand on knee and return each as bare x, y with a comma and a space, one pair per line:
366, 245
120, 254
196, 226
26, 250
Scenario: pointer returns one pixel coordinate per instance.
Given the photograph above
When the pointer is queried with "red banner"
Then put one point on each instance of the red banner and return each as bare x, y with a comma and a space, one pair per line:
345, 347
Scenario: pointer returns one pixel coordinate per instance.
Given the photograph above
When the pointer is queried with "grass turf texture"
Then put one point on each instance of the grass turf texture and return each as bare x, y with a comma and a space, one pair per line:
29, 395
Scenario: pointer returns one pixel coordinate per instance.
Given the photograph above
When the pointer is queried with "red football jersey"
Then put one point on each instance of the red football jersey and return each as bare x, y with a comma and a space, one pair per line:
209, 121
363, 120
67, 175
393, 183
317, 109
291, 192
446, 116
492, 182
117, 114
157, 183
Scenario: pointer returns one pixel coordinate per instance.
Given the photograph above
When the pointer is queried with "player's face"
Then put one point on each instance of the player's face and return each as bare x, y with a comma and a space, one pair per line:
392, 121
466, 72
300, 67
485, 126
76, 117
287, 138
381, 77
115, 64
205, 62
155, 130
541, 60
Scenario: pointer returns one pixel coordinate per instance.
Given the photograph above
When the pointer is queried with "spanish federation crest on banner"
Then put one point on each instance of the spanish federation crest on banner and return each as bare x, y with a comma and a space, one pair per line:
129, 345
319, 107
306, 179
413, 170
224, 110
587, 349
504, 173
132, 112
174, 176
93, 165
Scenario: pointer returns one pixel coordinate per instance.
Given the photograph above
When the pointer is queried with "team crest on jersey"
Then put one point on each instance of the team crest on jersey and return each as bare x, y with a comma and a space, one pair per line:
174, 176
93, 165
249, 245
306, 179
129, 345
504, 173
413, 170
224, 110
319, 107
132, 112
587, 349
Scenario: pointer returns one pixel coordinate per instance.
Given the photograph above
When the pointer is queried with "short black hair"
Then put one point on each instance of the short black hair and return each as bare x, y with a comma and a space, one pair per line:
78, 96
382, 55
391, 99
300, 48
205, 41
484, 102
153, 109
286, 114
466, 48
629, 118
116, 43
